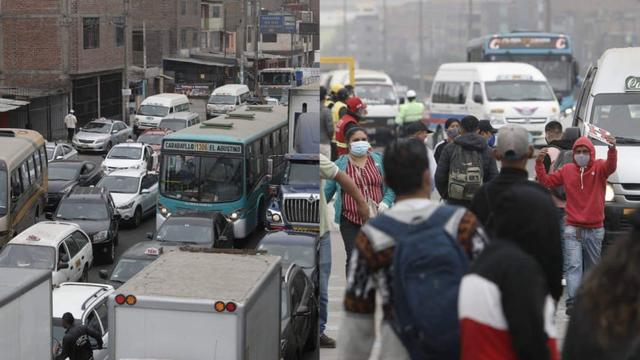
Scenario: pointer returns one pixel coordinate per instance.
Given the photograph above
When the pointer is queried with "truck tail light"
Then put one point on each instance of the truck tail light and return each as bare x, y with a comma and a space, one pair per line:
219, 306
131, 300
231, 307
120, 299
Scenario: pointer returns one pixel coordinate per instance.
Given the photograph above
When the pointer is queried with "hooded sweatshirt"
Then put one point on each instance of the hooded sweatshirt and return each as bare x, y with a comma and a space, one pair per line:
470, 141
584, 187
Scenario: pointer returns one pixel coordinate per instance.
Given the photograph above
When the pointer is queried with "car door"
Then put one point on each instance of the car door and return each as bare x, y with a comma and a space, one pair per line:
97, 320
62, 275
75, 258
150, 183
86, 250
57, 152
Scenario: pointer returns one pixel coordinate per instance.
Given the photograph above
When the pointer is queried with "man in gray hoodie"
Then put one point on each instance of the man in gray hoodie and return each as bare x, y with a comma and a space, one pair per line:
465, 164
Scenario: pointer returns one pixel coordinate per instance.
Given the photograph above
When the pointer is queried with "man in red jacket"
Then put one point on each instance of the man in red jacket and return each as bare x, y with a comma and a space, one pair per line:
585, 182
356, 111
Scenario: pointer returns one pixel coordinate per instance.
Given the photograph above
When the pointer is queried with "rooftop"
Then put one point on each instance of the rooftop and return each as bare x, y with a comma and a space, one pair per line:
45, 233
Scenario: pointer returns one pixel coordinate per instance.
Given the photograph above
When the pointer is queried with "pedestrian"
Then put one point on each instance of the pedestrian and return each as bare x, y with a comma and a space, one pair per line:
350, 90
465, 164
487, 131
455, 234
337, 112
333, 91
419, 131
70, 122
513, 151
508, 298
329, 171
365, 168
452, 131
75, 343
356, 111
409, 112
326, 125
585, 181
606, 319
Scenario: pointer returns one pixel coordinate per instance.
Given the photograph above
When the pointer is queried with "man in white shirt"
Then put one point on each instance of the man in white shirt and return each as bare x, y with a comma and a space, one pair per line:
418, 130
70, 122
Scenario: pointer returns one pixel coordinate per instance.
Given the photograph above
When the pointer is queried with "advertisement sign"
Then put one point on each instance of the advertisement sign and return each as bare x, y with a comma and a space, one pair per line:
597, 133
193, 90
528, 42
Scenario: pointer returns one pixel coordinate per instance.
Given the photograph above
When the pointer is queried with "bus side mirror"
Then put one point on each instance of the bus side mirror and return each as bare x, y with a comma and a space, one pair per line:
270, 168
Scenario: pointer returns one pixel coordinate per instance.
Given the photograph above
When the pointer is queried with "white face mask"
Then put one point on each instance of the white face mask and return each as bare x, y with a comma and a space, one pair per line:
582, 159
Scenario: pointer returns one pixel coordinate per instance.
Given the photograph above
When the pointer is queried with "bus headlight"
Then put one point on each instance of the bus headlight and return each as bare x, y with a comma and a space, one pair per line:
609, 194
163, 211
235, 215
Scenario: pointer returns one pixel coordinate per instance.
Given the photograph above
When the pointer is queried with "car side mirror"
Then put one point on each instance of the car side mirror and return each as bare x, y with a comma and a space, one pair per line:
63, 265
59, 157
303, 310
149, 236
114, 131
478, 99
104, 274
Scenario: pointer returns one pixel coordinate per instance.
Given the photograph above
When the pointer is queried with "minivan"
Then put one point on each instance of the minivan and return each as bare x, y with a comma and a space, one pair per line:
502, 92
156, 107
226, 98
180, 120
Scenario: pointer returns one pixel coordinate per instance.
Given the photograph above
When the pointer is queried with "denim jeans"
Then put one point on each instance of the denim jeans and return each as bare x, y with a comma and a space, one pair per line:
581, 248
325, 272
349, 231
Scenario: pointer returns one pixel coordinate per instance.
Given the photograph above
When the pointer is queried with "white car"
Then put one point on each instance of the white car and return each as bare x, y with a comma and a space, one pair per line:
59, 151
87, 303
61, 247
134, 193
130, 155
101, 134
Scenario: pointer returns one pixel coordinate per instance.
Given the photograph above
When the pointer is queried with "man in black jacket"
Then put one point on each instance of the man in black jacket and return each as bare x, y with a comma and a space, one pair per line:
468, 140
75, 344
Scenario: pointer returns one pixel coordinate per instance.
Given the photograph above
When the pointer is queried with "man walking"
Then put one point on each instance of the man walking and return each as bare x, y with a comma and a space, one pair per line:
70, 122
75, 344
465, 164
409, 112
585, 181
326, 124
419, 131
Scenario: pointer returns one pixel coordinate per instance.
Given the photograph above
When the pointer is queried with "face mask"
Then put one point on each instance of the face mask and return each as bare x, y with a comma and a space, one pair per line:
492, 140
582, 159
452, 133
359, 148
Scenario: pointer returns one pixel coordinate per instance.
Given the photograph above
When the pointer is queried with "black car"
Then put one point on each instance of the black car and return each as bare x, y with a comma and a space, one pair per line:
299, 314
300, 248
64, 175
200, 229
130, 263
93, 210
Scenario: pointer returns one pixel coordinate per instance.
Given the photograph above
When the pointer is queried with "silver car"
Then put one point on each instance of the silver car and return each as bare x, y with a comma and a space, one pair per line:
60, 151
101, 134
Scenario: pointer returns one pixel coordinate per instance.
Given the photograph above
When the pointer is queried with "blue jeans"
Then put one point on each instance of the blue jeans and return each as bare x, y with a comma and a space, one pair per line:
581, 248
325, 272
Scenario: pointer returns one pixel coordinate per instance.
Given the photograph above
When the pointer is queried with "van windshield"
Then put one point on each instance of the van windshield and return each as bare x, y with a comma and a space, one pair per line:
222, 99
377, 94
518, 90
153, 110
619, 114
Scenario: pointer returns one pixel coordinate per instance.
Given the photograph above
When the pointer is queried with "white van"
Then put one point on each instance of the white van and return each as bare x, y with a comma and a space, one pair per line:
156, 107
503, 92
610, 100
226, 98
180, 120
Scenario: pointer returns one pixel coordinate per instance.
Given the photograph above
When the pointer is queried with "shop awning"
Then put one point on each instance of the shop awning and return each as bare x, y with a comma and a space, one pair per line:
199, 62
10, 104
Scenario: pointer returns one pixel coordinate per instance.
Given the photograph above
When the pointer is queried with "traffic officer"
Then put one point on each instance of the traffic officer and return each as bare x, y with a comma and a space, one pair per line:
409, 112
75, 344
333, 93
337, 112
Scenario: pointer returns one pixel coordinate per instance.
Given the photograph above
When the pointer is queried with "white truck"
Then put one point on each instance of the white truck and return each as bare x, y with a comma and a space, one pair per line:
192, 305
25, 313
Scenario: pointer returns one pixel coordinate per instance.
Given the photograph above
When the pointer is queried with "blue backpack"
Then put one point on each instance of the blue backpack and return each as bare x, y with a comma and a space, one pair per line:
428, 266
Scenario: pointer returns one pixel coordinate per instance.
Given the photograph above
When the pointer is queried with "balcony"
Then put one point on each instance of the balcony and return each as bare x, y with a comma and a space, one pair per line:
211, 24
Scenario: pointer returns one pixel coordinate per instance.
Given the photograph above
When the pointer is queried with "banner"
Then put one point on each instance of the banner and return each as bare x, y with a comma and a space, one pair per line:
193, 90
597, 133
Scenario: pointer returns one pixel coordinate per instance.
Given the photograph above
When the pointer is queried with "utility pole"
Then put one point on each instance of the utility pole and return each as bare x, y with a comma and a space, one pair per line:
256, 36
345, 38
547, 17
242, 41
384, 35
126, 92
470, 20
421, 48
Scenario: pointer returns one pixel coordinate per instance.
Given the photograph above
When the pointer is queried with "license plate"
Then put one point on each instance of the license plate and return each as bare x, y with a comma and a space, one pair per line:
305, 229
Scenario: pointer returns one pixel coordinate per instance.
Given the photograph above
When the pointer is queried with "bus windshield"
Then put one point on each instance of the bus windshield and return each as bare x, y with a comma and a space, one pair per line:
206, 179
275, 78
518, 90
3, 192
153, 110
377, 94
619, 114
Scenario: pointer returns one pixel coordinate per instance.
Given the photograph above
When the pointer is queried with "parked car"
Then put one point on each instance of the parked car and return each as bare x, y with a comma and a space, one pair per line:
134, 193
64, 175
129, 155
180, 120
93, 210
87, 303
300, 248
199, 229
58, 151
299, 314
130, 263
61, 247
153, 138
100, 135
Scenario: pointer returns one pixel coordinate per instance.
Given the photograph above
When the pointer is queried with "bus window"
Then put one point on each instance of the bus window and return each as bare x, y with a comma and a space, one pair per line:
16, 184
32, 169
25, 175
36, 161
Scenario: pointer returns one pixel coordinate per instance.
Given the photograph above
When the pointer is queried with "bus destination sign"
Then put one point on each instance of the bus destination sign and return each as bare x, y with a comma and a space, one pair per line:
202, 147
527, 42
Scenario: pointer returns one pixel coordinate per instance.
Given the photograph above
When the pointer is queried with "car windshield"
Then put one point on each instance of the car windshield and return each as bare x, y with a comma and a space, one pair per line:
303, 256
57, 171
125, 152
151, 139
557, 69
222, 99
518, 90
28, 256
173, 124
303, 173
120, 184
126, 268
619, 114
97, 127
207, 179
185, 232
82, 210
276, 78
377, 94
153, 110
3, 192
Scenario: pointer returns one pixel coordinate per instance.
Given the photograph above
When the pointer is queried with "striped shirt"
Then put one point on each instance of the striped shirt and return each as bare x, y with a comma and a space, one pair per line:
369, 182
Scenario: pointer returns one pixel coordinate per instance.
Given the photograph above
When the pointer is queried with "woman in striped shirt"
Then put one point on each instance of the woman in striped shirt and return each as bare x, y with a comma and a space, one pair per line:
365, 168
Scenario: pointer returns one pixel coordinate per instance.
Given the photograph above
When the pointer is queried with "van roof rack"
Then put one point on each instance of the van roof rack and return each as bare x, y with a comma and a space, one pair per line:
215, 124
240, 115
263, 108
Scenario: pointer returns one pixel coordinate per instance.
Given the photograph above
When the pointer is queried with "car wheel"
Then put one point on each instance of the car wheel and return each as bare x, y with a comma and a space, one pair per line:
85, 274
137, 217
110, 256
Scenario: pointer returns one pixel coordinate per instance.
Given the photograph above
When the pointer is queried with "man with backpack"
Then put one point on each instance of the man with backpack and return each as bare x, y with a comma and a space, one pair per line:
465, 164
418, 251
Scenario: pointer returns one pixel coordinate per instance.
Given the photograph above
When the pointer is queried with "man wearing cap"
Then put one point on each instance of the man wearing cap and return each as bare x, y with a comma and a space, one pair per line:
75, 344
452, 129
356, 111
419, 131
409, 112
514, 151
488, 132
70, 122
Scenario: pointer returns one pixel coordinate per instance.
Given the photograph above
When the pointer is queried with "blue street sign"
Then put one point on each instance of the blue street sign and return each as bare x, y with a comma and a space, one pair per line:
277, 24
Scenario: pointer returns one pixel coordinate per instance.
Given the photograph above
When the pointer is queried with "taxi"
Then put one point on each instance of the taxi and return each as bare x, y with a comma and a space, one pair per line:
61, 247
136, 258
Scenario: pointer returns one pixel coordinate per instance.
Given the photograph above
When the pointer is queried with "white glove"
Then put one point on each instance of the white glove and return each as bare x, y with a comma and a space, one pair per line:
382, 207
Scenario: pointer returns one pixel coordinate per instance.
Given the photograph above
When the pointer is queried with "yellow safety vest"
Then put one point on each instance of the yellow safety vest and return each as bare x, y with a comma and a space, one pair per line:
410, 112
335, 115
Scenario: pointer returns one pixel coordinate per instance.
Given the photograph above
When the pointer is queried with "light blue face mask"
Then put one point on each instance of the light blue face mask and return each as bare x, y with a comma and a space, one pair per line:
359, 148
582, 159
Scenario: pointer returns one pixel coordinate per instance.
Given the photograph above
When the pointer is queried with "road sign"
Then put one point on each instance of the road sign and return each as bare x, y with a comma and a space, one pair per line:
273, 24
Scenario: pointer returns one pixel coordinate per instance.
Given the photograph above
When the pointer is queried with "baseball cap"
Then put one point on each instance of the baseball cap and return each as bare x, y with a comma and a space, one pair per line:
68, 317
513, 142
485, 125
355, 103
416, 127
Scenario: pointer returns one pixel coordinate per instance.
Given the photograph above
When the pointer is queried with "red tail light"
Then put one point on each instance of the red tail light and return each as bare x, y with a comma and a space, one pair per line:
231, 307
120, 299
